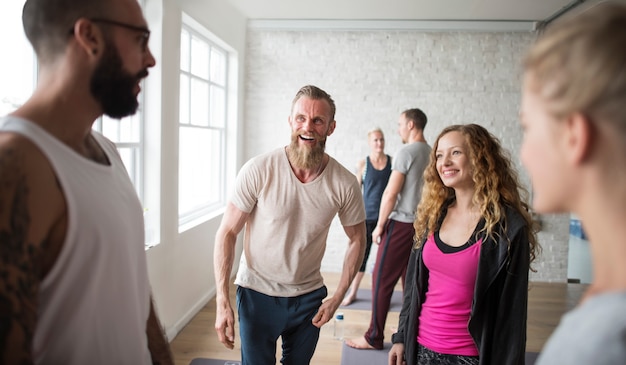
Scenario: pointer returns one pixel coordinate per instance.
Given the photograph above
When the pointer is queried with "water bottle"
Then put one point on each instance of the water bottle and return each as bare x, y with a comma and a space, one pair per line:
338, 327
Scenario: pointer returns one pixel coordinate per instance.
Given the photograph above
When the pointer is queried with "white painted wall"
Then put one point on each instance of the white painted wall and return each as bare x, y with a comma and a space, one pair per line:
373, 76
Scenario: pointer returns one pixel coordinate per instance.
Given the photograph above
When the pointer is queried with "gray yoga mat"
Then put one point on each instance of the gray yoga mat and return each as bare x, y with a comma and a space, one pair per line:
201, 361
531, 357
364, 301
350, 356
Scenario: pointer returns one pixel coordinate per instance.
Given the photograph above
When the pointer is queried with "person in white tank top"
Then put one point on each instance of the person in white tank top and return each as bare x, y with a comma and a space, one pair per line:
73, 275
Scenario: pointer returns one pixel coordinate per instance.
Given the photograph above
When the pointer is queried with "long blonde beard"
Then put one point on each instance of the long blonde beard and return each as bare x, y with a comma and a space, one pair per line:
303, 157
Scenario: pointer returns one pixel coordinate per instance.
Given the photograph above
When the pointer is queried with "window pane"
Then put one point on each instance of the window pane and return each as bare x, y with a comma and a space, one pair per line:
132, 161
199, 58
199, 103
18, 71
218, 67
184, 99
111, 128
126, 133
184, 50
218, 107
126, 130
200, 170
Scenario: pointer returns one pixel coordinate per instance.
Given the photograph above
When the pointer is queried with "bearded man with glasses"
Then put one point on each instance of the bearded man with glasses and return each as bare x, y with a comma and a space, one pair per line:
74, 284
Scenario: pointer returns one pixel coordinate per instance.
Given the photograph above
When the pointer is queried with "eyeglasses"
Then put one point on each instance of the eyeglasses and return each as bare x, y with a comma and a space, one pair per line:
145, 32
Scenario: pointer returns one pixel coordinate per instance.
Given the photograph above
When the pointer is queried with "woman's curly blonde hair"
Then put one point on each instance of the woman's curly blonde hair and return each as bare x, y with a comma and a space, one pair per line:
496, 185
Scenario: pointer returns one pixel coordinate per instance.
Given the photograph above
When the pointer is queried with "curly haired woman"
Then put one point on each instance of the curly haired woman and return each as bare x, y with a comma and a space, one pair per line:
467, 278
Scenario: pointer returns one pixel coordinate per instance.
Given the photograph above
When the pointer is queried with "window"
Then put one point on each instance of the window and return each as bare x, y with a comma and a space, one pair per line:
202, 124
127, 133
128, 136
18, 68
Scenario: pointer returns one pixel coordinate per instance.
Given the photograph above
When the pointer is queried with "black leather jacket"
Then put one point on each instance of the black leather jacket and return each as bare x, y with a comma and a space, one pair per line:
499, 308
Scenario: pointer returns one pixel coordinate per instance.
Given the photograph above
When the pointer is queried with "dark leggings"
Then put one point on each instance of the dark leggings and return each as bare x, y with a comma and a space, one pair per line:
427, 356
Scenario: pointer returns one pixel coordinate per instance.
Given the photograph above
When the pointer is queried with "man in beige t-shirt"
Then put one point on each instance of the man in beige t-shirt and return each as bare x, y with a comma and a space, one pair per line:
286, 200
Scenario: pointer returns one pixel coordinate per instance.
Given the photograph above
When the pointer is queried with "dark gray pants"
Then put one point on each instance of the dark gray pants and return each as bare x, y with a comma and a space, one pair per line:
263, 318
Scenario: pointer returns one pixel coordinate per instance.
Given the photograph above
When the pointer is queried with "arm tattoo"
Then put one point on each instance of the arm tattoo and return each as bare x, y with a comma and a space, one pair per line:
18, 269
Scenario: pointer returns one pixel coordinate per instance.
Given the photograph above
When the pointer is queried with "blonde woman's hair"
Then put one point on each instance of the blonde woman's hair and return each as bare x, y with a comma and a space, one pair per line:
579, 65
375, 130
496, 185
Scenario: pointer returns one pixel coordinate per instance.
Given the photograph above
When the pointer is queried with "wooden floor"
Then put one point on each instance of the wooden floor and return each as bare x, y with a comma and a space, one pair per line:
547, 302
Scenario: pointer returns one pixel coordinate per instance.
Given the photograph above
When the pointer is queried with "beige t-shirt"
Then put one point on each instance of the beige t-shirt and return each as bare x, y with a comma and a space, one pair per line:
285, 235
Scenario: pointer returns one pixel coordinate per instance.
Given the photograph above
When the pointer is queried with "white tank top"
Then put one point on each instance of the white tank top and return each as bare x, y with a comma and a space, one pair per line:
94, 302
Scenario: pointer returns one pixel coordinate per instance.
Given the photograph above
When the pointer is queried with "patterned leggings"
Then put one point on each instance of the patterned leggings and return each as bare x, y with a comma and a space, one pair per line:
429, 357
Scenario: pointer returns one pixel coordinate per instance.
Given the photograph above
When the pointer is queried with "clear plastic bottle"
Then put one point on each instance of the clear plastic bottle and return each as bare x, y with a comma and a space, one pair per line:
338, 327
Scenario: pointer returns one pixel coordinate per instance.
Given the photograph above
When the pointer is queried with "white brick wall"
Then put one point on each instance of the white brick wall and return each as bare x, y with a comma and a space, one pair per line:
374, 76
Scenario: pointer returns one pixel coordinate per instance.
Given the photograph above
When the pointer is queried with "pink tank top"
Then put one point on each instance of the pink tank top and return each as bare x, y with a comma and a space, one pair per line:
447, 306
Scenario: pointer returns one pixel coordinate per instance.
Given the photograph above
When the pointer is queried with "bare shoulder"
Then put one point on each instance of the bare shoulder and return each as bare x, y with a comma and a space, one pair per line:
360, 166
32, 229
31, 200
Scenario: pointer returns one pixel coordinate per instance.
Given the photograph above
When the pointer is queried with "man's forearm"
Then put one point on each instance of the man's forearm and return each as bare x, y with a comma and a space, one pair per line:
223, 262
351, 265
386, 207
353, 258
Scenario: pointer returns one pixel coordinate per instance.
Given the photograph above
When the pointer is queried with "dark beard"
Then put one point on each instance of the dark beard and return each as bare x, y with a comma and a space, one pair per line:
304, 157
113, 87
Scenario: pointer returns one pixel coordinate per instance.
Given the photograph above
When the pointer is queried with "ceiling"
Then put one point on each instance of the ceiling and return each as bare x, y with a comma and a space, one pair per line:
466, 10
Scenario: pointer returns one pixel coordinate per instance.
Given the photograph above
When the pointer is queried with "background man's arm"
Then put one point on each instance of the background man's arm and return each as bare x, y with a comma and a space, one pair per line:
223, 258
351, 263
